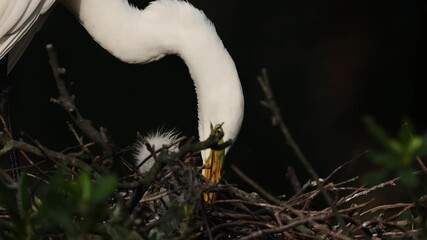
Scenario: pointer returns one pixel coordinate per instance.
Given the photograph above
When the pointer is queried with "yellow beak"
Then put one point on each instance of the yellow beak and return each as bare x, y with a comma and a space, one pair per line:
213, 165
213, 170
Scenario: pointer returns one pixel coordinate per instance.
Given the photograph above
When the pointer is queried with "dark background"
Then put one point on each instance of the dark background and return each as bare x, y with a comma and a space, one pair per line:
329, 62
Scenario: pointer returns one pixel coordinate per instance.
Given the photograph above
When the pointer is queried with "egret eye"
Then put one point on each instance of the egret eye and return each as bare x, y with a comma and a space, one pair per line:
217, 129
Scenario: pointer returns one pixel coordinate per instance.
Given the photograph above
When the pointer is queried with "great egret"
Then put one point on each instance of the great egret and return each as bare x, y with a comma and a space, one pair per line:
163, 27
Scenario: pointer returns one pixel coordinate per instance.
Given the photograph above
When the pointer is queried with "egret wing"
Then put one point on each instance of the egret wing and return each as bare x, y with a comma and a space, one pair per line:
17, 20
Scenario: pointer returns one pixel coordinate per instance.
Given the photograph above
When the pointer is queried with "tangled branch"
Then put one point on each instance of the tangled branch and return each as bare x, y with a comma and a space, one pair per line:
166, 202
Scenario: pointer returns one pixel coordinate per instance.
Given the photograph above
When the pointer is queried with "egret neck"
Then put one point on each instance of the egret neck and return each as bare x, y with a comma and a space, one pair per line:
172, 27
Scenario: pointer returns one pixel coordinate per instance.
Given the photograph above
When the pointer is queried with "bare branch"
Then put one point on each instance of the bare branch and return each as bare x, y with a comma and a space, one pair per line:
270, 103
67, 101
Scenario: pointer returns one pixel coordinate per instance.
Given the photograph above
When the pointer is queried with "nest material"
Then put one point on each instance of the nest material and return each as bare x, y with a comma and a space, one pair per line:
172, 207
167, 203
241, 215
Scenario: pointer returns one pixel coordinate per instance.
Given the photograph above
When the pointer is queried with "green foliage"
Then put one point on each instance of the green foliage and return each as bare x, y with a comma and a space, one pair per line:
177, 218
398, 155
74, 205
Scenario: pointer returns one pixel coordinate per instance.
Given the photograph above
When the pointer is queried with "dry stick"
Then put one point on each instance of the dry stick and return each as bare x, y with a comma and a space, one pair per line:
40, 151
26, 157
67, 102
255, 185
240, 194
393, 217
292, 176
261, 233
253, 203
391, 182
7, 180
422, 165
315, 225
241, 223
79, 139
387, 207
345, 164
270, 103
163, 158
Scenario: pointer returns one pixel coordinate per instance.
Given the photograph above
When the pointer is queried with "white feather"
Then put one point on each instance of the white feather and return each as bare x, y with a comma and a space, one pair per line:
157, 140
17, 21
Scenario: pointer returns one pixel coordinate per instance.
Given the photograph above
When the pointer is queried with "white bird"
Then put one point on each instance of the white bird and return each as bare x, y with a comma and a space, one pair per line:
141, 36
19, 21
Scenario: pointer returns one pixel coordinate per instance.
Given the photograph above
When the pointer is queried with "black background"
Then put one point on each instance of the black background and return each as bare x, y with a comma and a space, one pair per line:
329, 62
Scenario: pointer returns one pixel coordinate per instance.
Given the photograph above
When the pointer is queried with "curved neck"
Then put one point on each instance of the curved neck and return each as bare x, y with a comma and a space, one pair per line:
171, 27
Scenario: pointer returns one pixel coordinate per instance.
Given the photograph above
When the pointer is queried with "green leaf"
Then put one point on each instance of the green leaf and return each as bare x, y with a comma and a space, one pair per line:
116, 232
103, 188
406, 132
405, 216
408, 178
84, 186
373, 178
58, 205
384, 159
7, 200
415, 144
8, 230
377, 131
24, 197
422, 150
169, 222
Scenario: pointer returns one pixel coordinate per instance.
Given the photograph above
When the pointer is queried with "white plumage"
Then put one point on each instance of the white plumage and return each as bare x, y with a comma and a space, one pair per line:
19, 21
164, 27
157, 140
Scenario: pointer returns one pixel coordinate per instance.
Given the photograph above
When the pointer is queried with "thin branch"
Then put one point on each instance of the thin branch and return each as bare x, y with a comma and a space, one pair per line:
9, 144
255, 185
345, 164
292, 176
391, 182
270, 104
261, 233
7, 180
422, 165
388, 206
67, 101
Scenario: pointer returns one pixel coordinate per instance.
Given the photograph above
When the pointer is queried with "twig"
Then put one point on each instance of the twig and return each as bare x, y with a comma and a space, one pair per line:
67, 101
391, 182
28, 159
344, 164
255, 185
7, 180
142, 185
292, 176
9, 144
388, 206
258, 204
270, 104
154, 196
261, 233
164, 157
422, 165
240, 194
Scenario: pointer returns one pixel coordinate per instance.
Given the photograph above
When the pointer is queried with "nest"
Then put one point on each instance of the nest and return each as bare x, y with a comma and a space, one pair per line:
167, 203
